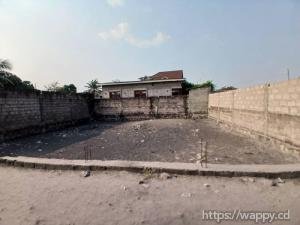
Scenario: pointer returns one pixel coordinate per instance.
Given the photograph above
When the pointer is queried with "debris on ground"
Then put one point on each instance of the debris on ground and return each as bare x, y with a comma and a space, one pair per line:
137, 127
251, 179
165, 176
206, 185
277, 182
159, 140
142, 181
86, 173
146, 185
186, 195
248, 179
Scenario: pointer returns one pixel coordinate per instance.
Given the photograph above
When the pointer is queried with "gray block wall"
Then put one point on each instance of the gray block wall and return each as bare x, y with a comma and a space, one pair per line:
28, 113
198, 102
270, 110
141, 108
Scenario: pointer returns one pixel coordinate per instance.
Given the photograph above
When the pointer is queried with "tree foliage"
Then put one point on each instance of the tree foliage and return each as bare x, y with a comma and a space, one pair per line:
66, 89
226, 88
10, 81
187, 86
93, 86
71, 88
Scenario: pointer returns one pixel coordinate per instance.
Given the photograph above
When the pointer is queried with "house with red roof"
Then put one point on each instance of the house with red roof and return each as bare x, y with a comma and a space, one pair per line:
165, 83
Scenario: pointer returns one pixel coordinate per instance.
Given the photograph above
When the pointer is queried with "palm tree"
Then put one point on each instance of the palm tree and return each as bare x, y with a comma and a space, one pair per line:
93, 86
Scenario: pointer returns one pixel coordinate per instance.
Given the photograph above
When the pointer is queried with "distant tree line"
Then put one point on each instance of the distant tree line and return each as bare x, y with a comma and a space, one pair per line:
66, 89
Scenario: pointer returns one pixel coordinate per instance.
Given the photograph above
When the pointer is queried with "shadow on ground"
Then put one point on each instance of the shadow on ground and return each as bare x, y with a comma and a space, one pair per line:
171, 140
43, 144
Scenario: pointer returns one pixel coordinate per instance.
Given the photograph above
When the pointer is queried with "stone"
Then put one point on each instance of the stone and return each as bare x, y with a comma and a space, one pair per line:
146, 185
186, 195
165, 176
206, 185
141, 181
251, 179
277, 181
248, 179
86, 173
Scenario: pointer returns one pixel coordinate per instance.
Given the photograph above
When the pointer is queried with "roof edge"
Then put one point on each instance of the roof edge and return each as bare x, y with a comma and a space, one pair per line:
141, 82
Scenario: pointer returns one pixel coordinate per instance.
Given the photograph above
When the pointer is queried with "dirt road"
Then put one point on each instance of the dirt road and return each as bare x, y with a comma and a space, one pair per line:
37, 197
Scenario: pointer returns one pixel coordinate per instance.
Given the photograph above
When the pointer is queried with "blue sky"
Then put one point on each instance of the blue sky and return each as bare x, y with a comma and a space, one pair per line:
232, 42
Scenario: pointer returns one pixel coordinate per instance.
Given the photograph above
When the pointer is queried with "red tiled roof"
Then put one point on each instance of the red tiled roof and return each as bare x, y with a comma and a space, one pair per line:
165, 75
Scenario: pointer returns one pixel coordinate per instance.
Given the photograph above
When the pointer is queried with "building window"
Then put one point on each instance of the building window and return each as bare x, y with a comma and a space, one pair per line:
176, 91
114, 94
140, 94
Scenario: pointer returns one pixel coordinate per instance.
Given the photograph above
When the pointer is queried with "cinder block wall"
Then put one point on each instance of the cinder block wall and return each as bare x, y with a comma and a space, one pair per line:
198, 102
28, 113
271, 110
141, 108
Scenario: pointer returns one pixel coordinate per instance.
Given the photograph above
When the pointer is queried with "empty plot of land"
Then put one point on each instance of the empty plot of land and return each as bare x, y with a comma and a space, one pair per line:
151, 140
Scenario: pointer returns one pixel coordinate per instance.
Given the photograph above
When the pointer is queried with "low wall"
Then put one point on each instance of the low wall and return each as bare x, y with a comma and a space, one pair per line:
198, 102
271, 110
28, 113
141, 108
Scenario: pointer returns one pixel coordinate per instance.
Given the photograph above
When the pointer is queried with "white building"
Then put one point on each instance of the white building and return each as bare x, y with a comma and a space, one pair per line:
167, 83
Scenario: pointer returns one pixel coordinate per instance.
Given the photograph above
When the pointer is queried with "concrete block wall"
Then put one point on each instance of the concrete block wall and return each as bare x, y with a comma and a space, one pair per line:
57, 108
18, 110
198, 102
141, 108
28, 113
271, 110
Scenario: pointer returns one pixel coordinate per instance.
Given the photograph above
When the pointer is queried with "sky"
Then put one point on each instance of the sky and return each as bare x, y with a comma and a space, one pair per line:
231, 42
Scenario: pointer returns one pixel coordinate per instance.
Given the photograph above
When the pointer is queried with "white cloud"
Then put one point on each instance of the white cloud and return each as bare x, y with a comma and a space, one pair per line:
117, 33
122, 32
115, 3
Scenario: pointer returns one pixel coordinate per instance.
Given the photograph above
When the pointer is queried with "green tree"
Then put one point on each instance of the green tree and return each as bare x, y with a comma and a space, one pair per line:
27, 85
53, 87
93, 86
208, 83
10, 81
5, 75
187, 86
69, 89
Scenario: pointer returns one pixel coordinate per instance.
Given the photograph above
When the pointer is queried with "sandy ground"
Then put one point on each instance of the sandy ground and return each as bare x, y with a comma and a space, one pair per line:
152, 140
39, 197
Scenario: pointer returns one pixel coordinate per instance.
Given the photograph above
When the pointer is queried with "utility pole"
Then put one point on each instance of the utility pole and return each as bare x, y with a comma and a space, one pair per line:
288, 73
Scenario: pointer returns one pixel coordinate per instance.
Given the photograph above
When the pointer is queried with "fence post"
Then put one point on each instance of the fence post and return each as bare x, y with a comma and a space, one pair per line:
266, 105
